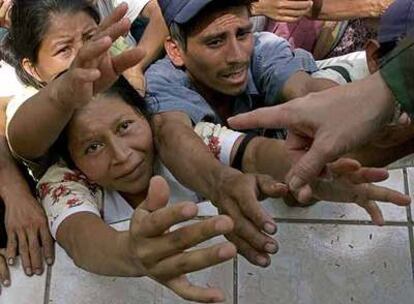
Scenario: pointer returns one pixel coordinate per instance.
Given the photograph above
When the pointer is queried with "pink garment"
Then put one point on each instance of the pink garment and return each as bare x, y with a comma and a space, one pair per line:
301, 34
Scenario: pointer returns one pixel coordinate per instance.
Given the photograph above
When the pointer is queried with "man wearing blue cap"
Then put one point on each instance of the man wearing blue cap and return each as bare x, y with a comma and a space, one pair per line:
217, 67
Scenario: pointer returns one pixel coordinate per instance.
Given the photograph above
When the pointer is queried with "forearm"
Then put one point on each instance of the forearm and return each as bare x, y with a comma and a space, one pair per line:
38, 123
152, 41
96, 247
349, 9
186, 155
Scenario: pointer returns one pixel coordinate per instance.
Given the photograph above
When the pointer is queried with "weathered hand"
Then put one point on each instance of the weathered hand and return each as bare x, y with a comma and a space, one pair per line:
93, 70
282, 10
325, 125
5, 6
237, 195
162, 253
352, 183
28, 232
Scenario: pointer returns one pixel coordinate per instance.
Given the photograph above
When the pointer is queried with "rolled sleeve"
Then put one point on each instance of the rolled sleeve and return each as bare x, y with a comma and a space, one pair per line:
398, 72
274, 62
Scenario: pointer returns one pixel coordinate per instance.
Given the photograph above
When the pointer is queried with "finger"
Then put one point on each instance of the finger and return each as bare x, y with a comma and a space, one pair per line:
374, 212
83, 76
35, 252
189, 236
292, 13
305, 195
116, 30
368, 175
295, 5
24, 252
194, 260
182, 287
47, 245
269, 187
267, 117
344, 165
11, 250
127, 59
158, 194
156, 223
255, 257
117, 14
4, 272
383, 194
92, 50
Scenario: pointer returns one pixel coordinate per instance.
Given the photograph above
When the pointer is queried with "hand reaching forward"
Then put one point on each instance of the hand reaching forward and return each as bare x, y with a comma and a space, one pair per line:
282, 10
352, 183
163, 254
94, 70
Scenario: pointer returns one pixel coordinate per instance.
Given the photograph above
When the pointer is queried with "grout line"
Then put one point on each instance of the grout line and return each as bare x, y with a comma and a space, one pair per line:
340, 222
410, 220
235, 280
46, 297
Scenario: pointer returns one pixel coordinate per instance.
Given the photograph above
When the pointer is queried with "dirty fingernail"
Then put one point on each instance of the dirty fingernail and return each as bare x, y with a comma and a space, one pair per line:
296, 183
10, 261
28, 271
271, 247
263, 261
49, 261
38, 271
270, 228
6, 283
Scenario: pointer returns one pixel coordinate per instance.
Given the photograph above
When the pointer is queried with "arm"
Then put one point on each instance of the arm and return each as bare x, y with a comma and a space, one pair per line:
234, 193
348, 9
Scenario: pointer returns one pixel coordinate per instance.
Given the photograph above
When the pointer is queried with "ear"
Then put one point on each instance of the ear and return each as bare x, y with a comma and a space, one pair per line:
174, 51
371, 49
31, 69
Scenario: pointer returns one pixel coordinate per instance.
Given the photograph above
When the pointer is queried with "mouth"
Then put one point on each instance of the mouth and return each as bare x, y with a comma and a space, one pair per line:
131, 173
236, 77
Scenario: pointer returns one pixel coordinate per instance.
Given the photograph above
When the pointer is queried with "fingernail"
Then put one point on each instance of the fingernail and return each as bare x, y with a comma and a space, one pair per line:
38, 271
271, 248
49, 261
28, 271
10, 261
188, 211
224, 253
296, 183
270, 228
6, 283
263, 261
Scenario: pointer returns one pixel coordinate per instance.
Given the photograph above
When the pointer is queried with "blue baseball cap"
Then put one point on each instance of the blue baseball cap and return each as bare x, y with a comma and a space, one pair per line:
181, 11
397, 22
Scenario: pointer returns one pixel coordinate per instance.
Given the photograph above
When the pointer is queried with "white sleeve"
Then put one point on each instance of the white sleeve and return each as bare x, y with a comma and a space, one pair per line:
220, 140
135, 7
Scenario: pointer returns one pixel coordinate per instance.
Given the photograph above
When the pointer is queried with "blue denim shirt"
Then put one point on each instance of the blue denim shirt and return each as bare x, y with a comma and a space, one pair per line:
273, 62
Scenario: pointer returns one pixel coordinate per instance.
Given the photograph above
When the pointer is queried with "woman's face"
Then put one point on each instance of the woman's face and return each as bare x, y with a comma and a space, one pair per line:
112, 145
66, 34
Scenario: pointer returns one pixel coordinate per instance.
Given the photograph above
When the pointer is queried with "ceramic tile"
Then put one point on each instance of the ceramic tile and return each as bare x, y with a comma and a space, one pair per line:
24, 289
332, 264
90, 288
341, 211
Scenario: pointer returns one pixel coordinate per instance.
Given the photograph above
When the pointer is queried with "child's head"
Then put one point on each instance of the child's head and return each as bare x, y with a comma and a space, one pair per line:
46, 35
395, 25
110, 140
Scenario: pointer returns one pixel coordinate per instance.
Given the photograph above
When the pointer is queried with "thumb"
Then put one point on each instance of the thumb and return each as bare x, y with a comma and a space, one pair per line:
267, 117
157, 196
307, 169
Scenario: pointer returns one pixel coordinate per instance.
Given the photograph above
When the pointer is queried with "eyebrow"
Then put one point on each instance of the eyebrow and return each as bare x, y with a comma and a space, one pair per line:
208, 37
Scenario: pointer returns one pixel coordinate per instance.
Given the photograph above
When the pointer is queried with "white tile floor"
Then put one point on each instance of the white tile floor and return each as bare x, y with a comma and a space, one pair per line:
329, 254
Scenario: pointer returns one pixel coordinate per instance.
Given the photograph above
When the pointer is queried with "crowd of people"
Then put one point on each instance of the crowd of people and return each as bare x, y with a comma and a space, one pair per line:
138, 110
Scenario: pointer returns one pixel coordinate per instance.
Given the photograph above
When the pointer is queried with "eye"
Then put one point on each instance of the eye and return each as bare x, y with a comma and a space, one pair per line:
124, 126
215, 43
93, 148
63, 51
244, 34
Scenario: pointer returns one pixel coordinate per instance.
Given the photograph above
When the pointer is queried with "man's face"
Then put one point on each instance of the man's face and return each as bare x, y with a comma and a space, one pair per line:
219, 50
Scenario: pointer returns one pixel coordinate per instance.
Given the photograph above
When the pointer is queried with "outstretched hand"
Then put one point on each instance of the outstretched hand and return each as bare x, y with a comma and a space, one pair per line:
162, 253
94, 70
349, 182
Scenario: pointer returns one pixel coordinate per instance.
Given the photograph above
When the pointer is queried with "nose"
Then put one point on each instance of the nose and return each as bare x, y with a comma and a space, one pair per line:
235, 53
120, 151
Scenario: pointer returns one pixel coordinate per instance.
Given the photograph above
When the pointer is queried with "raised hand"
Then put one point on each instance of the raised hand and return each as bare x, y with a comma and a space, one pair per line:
93, 70
162, 253
282, 10
237, 196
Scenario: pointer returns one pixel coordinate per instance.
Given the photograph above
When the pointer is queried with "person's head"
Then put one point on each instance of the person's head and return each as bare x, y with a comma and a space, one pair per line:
395, 25
212, 40
46, 35
110, 140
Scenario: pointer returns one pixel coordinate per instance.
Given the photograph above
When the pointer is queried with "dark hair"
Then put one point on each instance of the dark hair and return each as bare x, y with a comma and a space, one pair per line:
126, 92
29, 22
180, 32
